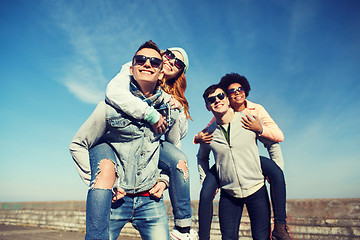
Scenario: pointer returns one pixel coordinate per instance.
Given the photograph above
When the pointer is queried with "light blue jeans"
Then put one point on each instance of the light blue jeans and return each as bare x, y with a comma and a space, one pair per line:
105, 220
179, 189
99, 200
147, 215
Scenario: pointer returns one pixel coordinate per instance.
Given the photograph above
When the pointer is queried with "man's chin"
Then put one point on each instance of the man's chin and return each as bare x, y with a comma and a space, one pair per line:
147, 79
220, 109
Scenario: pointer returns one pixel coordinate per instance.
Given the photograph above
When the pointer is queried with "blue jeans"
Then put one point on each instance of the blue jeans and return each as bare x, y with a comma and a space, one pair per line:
205, 210
258, 207
277, 188
179, 189
98, 202
146, 214
210, 184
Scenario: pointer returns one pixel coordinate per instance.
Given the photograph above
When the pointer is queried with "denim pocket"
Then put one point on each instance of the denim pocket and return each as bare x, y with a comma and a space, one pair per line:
119, 122
122, 129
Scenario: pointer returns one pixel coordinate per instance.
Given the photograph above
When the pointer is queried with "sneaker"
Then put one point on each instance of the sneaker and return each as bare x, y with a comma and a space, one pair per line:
193, 235
281, 232
176, 235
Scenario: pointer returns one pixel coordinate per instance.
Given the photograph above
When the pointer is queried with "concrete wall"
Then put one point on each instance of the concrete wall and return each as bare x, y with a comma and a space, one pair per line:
308, 219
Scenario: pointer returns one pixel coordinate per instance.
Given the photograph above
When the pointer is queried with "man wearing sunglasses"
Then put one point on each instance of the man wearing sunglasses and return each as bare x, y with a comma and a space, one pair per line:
238, 88
117, 93
117, 156
237, 166
172, 159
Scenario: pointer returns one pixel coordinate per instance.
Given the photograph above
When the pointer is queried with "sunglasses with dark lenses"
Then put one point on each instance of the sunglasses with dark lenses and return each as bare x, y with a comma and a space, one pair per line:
212, 99
178, 63
235, 90
141, 60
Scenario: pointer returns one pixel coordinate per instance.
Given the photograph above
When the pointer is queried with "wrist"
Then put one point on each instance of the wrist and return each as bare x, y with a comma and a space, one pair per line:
152, 116
164, 181
261, 131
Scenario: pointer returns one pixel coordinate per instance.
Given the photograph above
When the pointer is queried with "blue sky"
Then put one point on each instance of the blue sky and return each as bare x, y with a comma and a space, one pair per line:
302, 59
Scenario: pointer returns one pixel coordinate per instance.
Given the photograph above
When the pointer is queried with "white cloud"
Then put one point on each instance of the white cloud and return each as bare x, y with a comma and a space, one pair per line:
105, 40
82, 73
85, 93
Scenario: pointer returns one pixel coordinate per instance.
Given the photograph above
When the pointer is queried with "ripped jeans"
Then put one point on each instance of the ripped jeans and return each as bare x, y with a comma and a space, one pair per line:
174, 162
104, 220
98, 203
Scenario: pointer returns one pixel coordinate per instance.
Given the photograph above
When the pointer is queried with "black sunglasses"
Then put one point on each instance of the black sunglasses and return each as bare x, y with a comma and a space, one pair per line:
235, 90
178, 63
141, 60
212, 99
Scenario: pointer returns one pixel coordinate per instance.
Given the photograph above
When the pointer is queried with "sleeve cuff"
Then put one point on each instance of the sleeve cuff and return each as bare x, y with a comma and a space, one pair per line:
194, 140
262, 130
152, 116
165, 179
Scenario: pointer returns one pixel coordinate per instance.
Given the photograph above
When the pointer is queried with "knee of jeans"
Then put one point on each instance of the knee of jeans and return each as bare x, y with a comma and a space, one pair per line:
183, 168
206, 195
105, 175
276, 174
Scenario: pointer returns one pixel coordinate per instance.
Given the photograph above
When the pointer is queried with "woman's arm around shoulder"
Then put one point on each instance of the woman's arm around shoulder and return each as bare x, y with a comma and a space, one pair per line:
270, 129
119, 96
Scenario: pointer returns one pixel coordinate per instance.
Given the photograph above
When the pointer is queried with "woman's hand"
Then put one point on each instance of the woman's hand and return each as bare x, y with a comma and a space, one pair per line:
204, 137
160, 126
252, 124
175, 104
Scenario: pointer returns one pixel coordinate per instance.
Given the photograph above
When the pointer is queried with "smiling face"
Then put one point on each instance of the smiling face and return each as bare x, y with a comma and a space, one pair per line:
170, 71
219, 105
237, 99
146, 73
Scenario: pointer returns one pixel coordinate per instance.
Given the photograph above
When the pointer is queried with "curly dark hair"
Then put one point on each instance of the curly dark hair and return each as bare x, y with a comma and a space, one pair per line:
231, 78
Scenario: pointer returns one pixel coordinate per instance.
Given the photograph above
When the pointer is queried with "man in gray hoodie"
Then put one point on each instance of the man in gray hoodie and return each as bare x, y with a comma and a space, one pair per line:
238, 168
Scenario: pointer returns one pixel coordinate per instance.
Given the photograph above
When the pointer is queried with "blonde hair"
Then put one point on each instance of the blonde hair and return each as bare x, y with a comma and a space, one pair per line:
176, 87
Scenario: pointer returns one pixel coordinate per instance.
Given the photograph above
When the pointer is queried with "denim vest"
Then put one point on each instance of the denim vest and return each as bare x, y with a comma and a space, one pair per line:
136, 147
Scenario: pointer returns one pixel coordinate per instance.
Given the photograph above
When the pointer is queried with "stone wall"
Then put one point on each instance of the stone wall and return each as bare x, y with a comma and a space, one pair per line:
307, 218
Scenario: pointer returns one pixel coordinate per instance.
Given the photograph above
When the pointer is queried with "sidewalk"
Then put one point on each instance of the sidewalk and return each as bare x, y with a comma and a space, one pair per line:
11, 232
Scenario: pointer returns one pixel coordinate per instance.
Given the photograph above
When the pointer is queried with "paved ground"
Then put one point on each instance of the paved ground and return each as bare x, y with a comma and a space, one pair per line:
8, 232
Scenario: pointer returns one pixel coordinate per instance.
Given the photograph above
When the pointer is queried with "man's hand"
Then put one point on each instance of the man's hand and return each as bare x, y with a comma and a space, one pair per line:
158, 189
204, 137
160, 126
119, 194
252, 124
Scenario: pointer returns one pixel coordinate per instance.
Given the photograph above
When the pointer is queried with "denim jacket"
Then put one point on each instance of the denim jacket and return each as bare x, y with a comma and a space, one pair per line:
135, 144
118, 95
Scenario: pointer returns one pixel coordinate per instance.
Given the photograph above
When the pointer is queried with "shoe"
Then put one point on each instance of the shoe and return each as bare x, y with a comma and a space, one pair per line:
280, 232
176, 235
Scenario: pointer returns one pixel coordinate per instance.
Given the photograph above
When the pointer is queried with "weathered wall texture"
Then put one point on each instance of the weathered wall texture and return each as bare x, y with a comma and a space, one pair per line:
308, 218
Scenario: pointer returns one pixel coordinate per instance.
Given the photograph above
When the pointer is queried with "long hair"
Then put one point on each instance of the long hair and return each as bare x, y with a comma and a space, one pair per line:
176, 88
